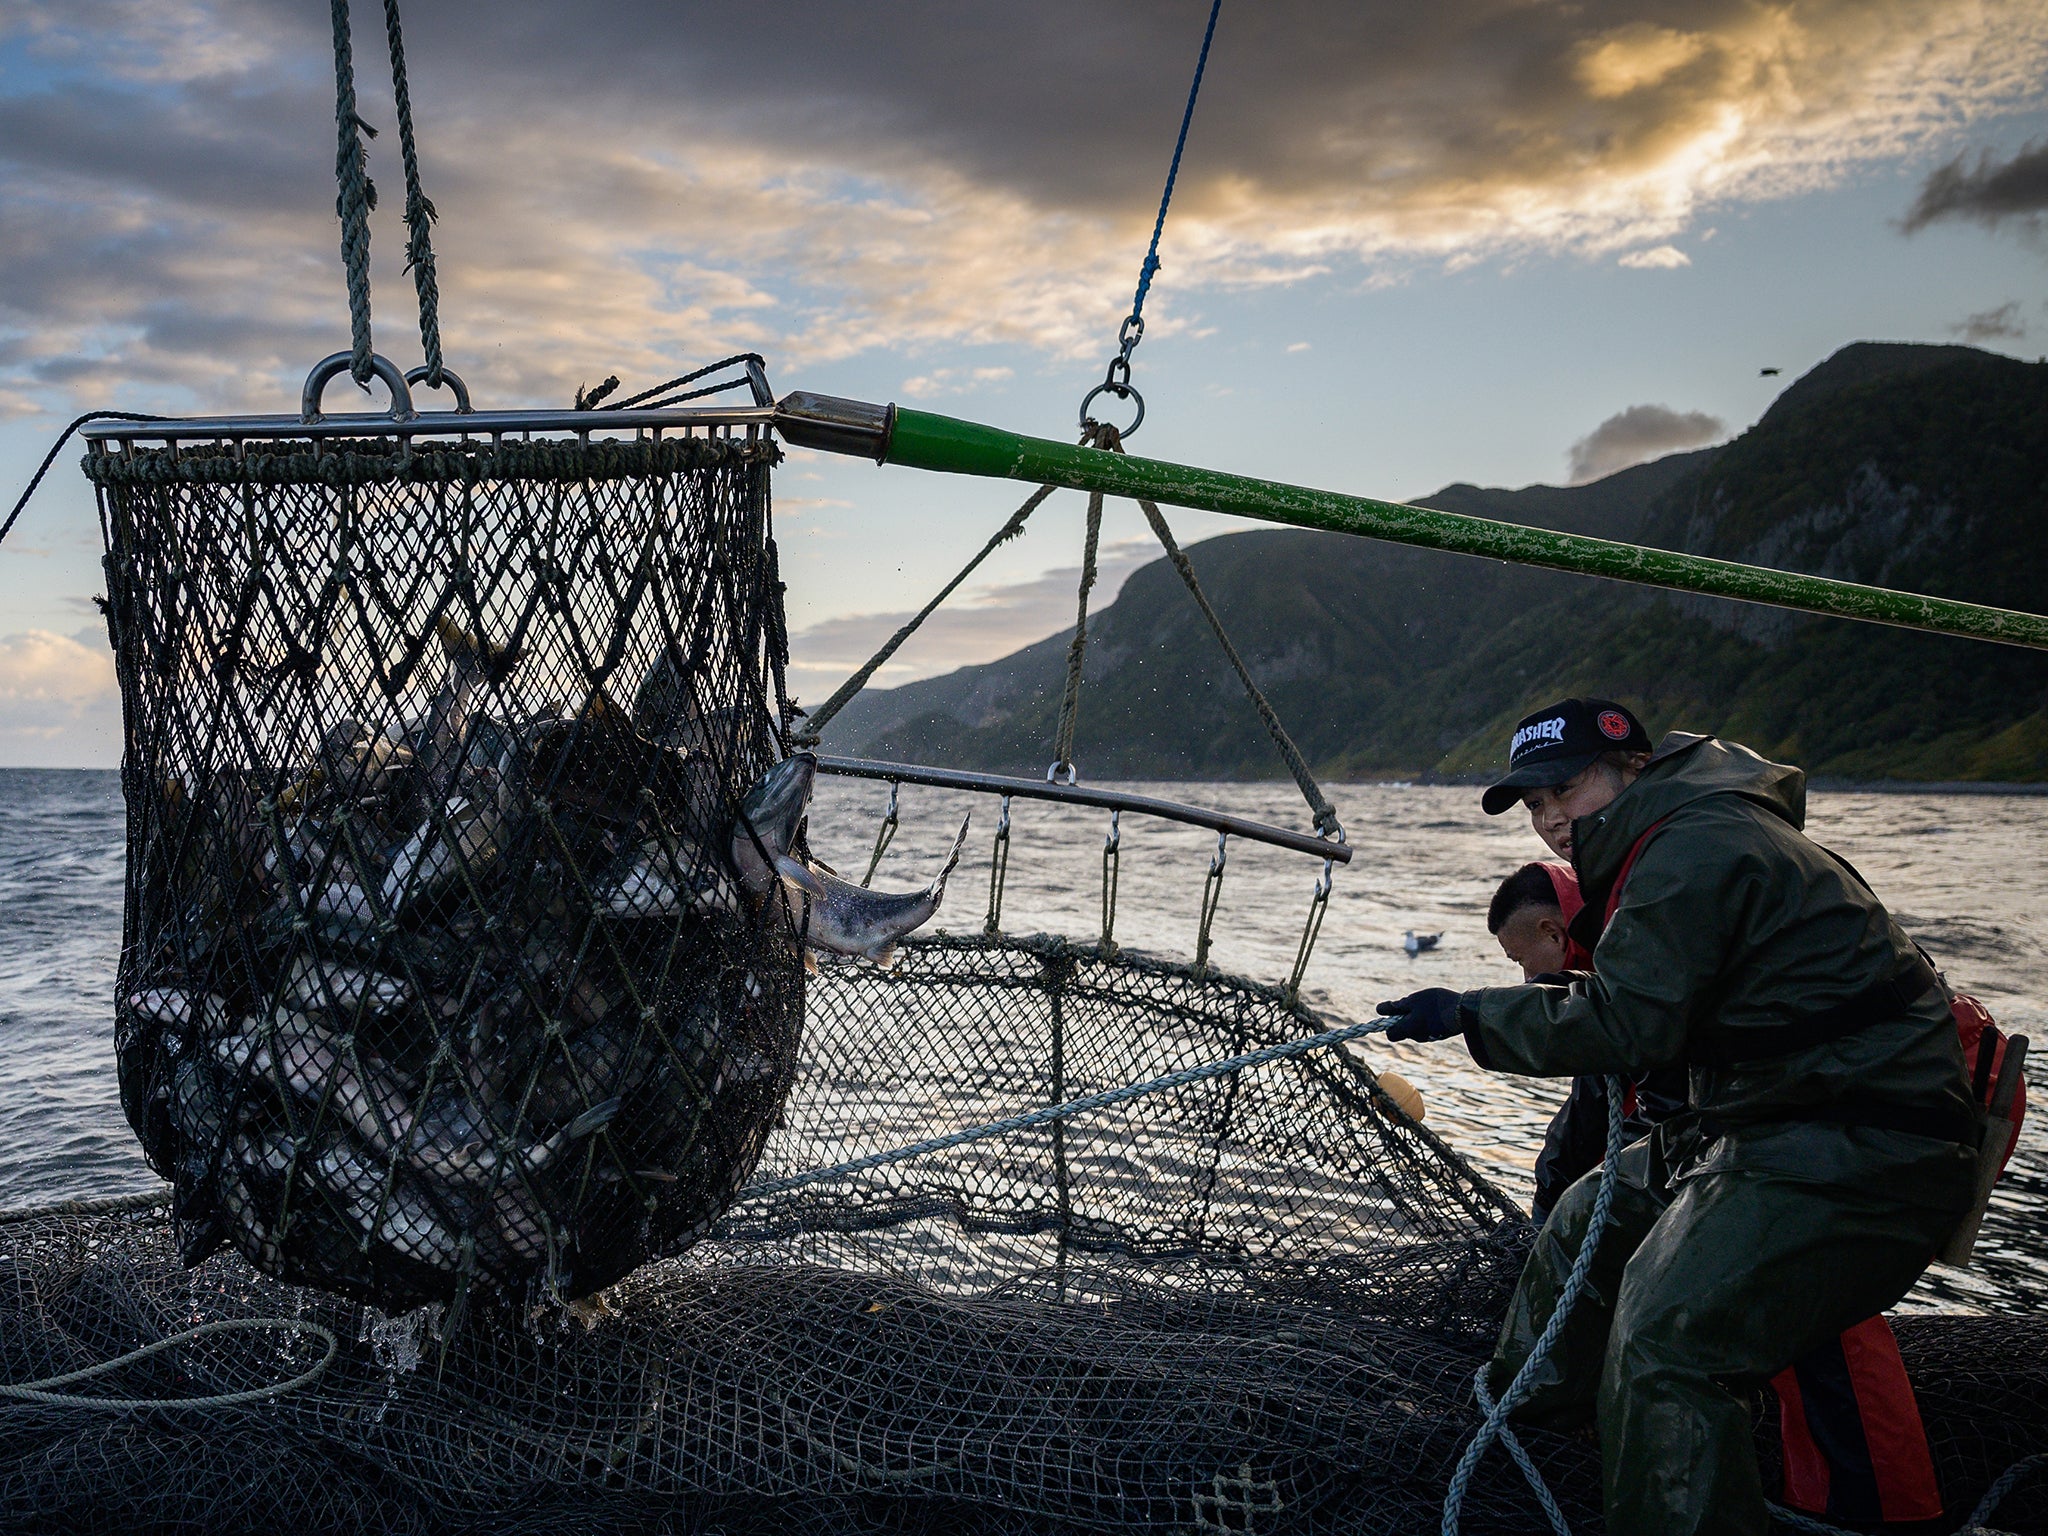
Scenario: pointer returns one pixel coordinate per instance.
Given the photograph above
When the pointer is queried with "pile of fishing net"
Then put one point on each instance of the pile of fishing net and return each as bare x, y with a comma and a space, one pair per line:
1252, 1304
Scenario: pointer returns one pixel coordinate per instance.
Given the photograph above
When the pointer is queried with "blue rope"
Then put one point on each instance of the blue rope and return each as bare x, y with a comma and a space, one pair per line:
1103, 1100
1173, 171
1494, 1425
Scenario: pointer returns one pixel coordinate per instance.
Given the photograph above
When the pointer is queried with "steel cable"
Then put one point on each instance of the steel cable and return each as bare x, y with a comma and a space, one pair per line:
37, 1391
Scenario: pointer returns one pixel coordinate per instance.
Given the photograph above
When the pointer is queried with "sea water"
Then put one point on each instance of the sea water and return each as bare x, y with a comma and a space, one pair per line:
1966, 874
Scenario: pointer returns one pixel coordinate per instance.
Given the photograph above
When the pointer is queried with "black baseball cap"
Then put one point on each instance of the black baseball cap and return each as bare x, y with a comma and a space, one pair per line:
1553, 744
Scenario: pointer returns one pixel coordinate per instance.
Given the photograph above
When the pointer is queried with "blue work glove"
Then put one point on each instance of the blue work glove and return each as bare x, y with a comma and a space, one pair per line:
1431, 1014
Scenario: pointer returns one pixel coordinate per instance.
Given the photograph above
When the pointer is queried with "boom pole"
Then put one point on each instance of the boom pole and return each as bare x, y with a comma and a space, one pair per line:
923, 440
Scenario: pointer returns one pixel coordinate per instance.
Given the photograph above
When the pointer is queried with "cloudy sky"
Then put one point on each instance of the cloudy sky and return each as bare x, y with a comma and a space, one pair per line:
1491, 240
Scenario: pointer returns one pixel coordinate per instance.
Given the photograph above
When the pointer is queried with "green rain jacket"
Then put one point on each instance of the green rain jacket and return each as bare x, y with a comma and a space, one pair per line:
1731, 925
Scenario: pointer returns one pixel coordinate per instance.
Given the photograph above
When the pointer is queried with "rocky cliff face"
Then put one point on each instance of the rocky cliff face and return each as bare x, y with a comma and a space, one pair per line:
1924, 468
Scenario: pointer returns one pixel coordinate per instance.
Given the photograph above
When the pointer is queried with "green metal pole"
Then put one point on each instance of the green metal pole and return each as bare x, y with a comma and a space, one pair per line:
922, 440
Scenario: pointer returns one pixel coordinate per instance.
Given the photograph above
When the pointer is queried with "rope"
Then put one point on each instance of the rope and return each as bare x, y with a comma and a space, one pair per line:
357, 195
822, 716
1106, 1099
1077, 650
1116, 379
1514, 1448
1494, 1425
99, 1205
56, 448
419, 213
998, 871
1187, 116
1319, 806
38, 1391
590, 401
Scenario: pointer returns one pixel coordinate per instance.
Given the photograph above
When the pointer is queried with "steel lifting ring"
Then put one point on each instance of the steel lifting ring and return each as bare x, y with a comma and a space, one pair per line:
338, 362
449, 379
1064, 773
1122, 392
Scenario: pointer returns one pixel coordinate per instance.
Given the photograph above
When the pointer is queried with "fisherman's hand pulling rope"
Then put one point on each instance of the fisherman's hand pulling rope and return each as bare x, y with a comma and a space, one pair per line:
1429, 1015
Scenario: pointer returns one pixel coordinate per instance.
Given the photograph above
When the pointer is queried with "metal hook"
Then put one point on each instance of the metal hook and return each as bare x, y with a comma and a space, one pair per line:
1212, 899
1112, 859
885, 834
998, 872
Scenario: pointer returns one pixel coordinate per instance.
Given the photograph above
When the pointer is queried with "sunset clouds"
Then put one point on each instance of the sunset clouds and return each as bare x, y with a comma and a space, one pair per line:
634, 186
1410, 244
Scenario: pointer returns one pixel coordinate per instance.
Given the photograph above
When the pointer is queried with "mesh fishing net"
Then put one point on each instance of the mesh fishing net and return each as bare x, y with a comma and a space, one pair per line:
1251, 1303
435, 972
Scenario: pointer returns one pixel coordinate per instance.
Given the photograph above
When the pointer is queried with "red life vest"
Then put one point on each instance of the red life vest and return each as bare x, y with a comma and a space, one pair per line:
1565, 882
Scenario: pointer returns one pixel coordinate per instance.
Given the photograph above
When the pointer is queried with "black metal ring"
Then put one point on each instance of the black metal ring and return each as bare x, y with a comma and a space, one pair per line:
1122, 392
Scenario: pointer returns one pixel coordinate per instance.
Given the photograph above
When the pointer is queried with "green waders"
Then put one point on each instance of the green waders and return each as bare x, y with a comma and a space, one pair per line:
1726, 1279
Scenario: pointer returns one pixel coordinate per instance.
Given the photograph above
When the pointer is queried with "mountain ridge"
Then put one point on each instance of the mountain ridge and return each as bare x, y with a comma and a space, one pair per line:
1924, 468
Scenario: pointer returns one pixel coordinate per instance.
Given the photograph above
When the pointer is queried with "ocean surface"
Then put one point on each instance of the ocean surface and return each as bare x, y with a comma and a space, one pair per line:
1966, 874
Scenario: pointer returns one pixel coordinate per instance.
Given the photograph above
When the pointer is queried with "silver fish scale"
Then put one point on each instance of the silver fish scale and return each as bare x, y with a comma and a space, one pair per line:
437, 980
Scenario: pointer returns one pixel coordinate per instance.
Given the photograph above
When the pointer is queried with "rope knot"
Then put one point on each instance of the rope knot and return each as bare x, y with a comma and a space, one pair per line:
1101, 434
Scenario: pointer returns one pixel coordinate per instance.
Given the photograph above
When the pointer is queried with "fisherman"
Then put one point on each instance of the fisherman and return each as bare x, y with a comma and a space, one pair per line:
1530, 916
1853, 1447
1831, 1147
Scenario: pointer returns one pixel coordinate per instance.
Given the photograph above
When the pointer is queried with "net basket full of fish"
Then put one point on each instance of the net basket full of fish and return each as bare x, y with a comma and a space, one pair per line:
439, 966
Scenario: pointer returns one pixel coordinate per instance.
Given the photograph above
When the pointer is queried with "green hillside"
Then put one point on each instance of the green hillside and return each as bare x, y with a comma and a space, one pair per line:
1924, 468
